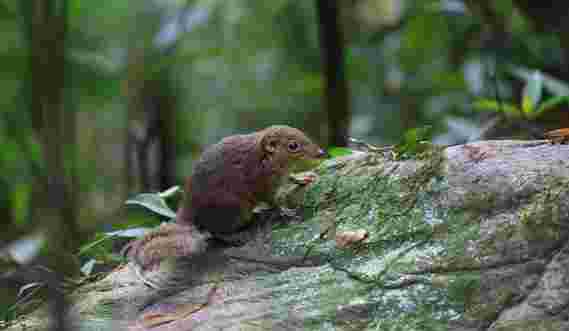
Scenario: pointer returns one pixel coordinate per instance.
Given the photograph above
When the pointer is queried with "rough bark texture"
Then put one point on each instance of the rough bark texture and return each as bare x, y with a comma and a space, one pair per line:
515, 193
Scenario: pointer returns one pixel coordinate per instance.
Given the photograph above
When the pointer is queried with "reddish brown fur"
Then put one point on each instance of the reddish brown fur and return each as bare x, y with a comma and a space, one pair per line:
235, 174
231, 178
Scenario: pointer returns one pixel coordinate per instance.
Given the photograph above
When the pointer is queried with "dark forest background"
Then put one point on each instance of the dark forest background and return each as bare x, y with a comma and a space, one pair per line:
104, 99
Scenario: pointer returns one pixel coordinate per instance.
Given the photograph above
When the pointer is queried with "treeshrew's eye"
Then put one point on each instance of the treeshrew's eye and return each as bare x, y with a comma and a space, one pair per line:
293, 146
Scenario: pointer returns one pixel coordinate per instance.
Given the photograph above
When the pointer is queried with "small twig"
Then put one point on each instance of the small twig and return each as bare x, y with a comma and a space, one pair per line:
370, 147
145, 280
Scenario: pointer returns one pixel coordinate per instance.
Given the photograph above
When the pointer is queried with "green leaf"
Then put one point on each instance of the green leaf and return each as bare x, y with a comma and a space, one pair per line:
20, 197
417, 135
339, 151
101, 238
153, 202
552, 84
87, 267
135, 232
531, 93
169, 192
415, 141
527, 105
495, 106
551, 103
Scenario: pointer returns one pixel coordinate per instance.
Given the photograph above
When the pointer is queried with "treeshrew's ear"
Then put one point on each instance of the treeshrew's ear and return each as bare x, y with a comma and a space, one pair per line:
269, 143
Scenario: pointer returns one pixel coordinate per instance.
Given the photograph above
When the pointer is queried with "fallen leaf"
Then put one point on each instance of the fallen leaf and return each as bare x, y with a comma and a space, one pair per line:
349, 238
559, 136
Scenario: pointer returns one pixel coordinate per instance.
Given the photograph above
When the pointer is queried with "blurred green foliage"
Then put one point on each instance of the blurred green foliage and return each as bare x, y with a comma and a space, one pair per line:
415, 142
237, 66
531, 106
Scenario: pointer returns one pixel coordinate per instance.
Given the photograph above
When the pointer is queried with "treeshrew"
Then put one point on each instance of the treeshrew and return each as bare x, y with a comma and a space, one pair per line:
227, 182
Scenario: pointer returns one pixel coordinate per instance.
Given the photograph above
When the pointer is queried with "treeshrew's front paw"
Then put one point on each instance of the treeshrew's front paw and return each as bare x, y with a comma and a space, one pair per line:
304, 178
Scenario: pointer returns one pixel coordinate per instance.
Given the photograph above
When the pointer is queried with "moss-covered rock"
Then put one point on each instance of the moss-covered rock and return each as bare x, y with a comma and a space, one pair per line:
471, 237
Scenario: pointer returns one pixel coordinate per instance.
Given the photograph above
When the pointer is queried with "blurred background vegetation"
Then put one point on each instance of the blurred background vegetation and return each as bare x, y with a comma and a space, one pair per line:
104, 99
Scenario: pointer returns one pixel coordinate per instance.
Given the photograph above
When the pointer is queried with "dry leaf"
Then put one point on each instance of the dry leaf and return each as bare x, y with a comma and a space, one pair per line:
478, 153
559, 136
153, 318
349, 238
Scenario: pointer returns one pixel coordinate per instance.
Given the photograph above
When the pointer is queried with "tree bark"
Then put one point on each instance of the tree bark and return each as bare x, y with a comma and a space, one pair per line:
336, 96
54, 123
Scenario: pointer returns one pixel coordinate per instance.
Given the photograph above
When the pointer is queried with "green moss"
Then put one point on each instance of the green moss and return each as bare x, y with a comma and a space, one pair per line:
363, 192
451, 263
477, 309
541, 218
480, 202
432, 161
360, 192
505, 231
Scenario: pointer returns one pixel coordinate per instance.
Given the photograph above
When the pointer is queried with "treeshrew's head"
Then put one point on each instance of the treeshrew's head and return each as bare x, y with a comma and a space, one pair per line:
291, 148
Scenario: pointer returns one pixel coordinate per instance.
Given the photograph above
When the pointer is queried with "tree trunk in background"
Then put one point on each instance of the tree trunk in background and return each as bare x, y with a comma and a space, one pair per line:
336, 96
53, 123
167, 136
54, 200
151, 144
